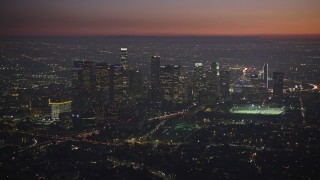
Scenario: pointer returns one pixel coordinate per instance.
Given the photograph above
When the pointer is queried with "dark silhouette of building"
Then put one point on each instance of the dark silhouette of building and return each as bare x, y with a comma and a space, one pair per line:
102, 90
117, 90
135, 84
278, 84
224, 84
82, 92
155, 91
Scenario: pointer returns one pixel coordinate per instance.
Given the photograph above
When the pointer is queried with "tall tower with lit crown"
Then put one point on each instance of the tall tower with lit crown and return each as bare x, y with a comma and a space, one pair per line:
124, 58
198, 81
155, 79
125, 69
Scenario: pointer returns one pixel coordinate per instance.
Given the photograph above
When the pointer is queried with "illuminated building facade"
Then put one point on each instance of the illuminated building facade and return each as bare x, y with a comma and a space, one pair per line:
102, 90
212, 84
124, 58
266, 74
125, 65
59, 107
198, 81
169, 77
117, 91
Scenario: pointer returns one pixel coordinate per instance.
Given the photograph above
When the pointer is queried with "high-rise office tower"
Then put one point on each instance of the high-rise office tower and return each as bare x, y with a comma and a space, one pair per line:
155, 91
224, 84
88, 76
212, 83
102, 87
135, 84
266, 74
77, 80
82, 92
102, 77
124, 58
198, 81
216, 75
77, 77
278, 84
125, 66
117, 91
169, 77
215, 68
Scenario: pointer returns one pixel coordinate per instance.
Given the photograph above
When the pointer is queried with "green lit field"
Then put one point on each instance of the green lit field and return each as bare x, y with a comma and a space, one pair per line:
257, 110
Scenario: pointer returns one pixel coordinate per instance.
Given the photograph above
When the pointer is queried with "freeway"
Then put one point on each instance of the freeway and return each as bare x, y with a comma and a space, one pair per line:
167, 116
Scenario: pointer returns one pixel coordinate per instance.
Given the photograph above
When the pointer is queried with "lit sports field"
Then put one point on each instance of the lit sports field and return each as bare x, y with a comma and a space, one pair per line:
257, 110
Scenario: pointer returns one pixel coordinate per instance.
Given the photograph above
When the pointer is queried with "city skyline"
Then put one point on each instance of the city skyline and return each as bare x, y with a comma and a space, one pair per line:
141, 17
113, 108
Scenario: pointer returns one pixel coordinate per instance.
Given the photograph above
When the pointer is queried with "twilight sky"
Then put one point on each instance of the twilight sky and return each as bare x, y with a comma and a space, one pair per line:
159, 17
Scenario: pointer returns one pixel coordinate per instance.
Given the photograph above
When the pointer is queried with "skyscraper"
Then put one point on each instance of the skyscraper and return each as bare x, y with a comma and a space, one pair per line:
155, 91
135, 84
278, 84
169, 77
124, 58
88, 76
125, 66
224, 84
198, 81
77, 77
266, 74
77, 80
212, 83
82, 92
102, 77
215, 68
117, 91
102, 87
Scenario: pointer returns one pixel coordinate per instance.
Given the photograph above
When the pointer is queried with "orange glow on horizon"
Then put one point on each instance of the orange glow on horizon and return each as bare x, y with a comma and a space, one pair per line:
245, 17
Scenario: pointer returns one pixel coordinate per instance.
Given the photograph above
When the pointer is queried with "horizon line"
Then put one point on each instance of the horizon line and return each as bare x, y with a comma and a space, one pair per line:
164, 35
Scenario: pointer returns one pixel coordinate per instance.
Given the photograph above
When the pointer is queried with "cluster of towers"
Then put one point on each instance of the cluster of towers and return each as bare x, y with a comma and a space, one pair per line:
277, 81
100, 89
167, 85
210, 86
206, 87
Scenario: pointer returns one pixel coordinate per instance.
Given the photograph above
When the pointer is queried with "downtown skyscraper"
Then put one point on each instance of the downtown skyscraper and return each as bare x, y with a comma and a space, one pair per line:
224, 84
170, 84
198, 81
117, 90
125, 74
124, 58
82, 92
212, 83
278, 84
155, 86
102, 90
266, 74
